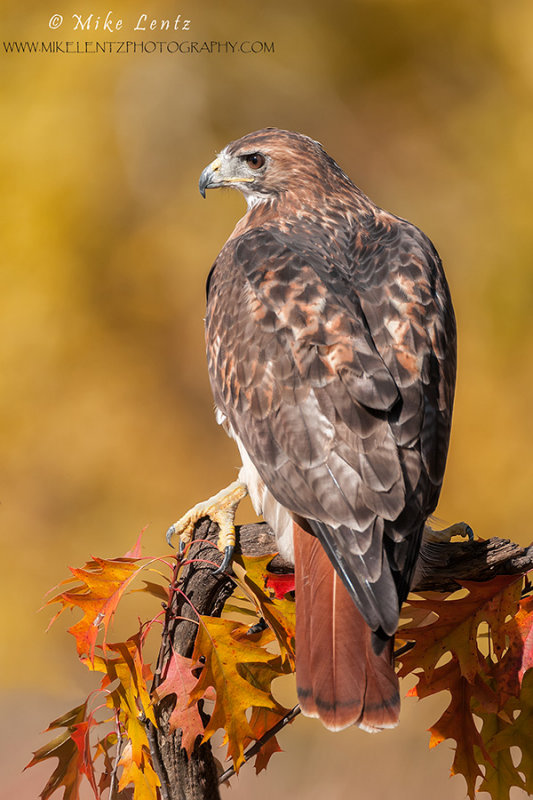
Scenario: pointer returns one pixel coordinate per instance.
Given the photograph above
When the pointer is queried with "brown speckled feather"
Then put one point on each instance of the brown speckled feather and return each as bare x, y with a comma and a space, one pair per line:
331, 350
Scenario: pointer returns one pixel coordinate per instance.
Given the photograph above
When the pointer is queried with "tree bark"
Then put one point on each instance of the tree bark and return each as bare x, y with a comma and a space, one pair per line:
200, 591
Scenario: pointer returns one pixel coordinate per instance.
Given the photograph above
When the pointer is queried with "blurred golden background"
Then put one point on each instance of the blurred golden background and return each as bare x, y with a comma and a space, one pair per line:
106, 413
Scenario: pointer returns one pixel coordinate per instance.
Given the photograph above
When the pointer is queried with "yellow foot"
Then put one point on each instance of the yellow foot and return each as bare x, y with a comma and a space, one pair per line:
445, 536
221, 509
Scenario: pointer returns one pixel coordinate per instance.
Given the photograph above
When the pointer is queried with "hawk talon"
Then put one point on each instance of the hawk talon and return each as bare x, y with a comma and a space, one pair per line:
226, 561
257, 627
445, 536
169, 534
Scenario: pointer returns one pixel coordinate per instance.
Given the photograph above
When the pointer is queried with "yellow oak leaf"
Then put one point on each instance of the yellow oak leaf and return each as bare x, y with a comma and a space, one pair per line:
141, 776
500, 772
518, 732
229, 655
278, 614
130, 697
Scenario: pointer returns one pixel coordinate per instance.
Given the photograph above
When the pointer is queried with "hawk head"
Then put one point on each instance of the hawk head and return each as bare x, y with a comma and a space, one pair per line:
267, 163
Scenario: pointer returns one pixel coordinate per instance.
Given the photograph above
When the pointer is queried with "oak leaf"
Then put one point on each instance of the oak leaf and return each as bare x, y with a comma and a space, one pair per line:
130, 697
500, 772
142, 776
80, 735
251, 577
98, 588
68, 772
483, 677
103, 746
518, 732
229, 657
261, 721
185, 716
456, 628
457, 721
509, 671
280, 583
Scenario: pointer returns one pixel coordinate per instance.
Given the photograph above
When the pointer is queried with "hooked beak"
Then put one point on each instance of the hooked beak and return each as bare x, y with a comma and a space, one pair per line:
208, 176
218, 173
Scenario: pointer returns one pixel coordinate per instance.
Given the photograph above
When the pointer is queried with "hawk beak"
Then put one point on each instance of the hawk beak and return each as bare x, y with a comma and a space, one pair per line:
208, 176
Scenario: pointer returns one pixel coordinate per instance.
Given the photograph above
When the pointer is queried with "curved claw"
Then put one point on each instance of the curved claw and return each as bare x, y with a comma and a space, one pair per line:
470, 533
170, 533
226, 561
259, 626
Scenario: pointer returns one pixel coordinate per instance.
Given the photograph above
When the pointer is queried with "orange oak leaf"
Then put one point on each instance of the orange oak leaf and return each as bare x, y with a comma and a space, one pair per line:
261, 721
483, 677
101, 584
457, 721
69, 770
185, 716
229, 655
456, 628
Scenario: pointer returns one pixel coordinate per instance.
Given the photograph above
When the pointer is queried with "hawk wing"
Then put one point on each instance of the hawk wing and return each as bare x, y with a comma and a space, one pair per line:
334, 375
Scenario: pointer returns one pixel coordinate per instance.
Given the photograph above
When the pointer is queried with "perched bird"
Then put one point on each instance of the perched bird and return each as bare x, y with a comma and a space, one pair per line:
331, 347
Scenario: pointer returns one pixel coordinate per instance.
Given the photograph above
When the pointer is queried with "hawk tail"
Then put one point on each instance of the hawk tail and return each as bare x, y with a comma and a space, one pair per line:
340, 678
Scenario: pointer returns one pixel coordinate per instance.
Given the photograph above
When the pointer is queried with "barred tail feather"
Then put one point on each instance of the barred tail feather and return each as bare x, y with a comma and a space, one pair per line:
339, 677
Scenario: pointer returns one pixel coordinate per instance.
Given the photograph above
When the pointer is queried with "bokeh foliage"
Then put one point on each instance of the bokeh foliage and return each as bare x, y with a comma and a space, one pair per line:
105, 411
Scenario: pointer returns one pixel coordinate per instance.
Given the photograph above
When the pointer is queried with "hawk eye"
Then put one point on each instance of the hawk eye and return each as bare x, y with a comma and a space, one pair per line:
255, 160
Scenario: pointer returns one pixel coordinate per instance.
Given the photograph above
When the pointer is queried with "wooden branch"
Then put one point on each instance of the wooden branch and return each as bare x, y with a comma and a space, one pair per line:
441, 566
200, 591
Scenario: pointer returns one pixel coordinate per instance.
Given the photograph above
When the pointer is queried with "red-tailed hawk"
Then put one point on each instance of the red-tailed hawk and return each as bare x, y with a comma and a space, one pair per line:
332, 352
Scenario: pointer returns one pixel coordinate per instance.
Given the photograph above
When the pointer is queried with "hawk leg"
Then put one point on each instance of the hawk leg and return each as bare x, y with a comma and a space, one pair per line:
445, 536
221, 508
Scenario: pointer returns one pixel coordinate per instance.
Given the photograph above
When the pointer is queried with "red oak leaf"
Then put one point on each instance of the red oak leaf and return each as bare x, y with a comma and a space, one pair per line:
185, 715
280, 583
